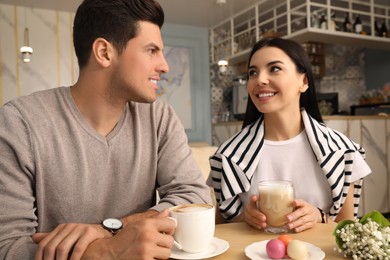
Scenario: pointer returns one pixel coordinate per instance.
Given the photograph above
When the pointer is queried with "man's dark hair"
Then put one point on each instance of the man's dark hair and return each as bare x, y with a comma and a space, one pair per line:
114, 20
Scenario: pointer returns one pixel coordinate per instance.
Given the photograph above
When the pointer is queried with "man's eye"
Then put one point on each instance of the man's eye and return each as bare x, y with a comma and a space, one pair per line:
152, 51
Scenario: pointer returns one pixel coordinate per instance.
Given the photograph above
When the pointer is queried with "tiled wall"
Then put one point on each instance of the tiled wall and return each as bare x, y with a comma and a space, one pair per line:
221, 87
344, 74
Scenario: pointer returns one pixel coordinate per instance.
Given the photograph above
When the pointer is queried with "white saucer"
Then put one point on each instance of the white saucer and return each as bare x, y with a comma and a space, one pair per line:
257, 251
217, 247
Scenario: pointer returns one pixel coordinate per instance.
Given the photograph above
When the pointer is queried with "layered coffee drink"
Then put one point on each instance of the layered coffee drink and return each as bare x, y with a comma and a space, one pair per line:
275, 201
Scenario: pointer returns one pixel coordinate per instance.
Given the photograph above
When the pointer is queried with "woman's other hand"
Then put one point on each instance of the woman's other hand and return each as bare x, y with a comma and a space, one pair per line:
305, 216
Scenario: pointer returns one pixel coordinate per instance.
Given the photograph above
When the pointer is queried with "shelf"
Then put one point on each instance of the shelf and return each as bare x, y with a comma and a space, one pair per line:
240, 57
337, 37
327, 37
291, 19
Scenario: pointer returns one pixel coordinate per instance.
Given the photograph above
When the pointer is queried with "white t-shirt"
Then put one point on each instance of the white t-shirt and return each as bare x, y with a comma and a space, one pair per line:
295, 161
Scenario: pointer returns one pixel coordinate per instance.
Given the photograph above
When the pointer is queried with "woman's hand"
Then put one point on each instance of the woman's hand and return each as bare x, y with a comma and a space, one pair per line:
304, 216
252, 215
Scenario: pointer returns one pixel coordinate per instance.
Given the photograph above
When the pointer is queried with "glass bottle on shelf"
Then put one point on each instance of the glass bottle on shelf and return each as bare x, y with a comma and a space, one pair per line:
347, 26
377, 29
323, 22
358, 26
333, 25
383, 30
314, 20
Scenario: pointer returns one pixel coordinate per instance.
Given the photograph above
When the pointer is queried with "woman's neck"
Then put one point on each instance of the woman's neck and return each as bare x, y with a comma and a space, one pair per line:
279, 127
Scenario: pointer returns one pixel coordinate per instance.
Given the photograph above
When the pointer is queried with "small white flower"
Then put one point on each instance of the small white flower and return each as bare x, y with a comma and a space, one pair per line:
365, 241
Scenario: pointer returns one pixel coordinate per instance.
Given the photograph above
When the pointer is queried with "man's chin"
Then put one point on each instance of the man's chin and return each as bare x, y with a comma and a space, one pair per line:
144, 100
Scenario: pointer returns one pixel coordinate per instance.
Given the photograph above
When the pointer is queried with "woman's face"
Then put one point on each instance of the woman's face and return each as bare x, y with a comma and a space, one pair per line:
274, 84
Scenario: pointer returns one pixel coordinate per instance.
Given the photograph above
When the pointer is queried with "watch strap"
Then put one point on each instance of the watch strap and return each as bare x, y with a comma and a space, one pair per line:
323, 216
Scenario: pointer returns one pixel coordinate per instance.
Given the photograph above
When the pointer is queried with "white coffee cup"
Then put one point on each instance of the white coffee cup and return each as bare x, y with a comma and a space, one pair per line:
195, 226
275, 200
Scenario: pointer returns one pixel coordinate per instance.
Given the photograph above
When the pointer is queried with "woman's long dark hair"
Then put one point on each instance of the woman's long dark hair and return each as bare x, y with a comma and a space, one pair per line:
297, 54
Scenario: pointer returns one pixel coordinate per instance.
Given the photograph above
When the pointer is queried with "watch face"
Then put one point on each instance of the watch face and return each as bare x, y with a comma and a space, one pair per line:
112, 223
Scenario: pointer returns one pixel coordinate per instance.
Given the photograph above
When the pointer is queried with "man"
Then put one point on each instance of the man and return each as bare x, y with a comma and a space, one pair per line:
72, 157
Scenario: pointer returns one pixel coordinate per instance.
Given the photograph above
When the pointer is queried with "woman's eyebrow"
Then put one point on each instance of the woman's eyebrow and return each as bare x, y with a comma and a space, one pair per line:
274, 62
268, 64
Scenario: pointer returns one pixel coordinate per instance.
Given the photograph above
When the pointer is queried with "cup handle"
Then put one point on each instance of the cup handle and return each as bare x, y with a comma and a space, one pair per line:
177, 245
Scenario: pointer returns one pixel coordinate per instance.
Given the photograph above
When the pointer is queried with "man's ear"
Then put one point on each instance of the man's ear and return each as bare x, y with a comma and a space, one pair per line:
102, 50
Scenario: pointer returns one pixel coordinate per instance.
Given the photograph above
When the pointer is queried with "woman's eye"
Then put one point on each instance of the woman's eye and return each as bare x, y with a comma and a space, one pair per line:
274, 69
252, 73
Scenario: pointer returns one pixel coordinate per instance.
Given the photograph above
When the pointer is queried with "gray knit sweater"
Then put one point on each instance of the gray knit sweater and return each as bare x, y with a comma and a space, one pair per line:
55, 168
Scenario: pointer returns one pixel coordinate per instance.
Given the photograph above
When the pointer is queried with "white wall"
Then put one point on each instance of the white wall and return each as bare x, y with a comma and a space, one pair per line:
53, 61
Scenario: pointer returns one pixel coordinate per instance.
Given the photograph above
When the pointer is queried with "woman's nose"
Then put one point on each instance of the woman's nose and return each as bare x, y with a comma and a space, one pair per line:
262, 79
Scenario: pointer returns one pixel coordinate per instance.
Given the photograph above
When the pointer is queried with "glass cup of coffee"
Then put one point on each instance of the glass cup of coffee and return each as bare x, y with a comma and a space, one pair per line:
275, 201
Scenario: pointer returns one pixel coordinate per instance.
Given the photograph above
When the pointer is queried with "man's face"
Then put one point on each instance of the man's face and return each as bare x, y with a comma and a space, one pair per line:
139, 67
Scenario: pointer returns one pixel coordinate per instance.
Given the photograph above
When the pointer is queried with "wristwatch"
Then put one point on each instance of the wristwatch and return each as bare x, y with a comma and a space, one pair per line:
112, 224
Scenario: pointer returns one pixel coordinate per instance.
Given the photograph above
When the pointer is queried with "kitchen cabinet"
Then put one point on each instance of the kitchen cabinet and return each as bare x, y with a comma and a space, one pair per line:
372, 132
233, 38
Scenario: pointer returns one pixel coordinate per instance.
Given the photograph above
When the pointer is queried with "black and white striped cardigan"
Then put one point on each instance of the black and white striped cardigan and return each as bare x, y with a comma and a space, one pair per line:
234, 163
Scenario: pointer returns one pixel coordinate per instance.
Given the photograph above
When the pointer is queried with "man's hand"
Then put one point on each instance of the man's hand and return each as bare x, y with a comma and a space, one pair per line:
67, 239
145, 235
141, 238
139, 216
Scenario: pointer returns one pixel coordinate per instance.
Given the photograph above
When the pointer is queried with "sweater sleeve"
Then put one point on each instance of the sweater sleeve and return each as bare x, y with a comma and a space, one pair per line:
17, 210
179, 178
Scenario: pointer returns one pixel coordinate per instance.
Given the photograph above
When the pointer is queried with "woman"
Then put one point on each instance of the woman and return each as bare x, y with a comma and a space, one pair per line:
283, 137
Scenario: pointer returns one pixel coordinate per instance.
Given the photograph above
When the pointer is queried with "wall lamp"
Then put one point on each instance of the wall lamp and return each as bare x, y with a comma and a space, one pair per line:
222, 65
26, 51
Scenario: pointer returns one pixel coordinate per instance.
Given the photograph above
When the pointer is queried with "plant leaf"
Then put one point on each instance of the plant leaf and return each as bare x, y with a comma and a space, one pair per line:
375, 216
